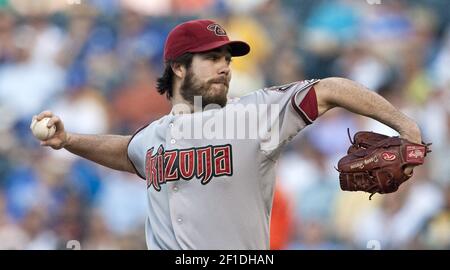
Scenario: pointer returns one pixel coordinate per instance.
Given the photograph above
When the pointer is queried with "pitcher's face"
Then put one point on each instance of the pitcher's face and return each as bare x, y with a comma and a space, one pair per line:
209, 77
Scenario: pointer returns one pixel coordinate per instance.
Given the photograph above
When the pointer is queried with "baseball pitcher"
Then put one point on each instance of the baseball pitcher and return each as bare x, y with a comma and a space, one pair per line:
209, 164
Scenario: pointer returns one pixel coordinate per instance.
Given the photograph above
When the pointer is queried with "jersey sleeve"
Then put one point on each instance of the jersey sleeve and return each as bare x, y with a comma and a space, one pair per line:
136, 154
289, 109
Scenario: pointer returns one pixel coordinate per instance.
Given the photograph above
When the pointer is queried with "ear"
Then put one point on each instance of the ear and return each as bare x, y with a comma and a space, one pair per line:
178, 69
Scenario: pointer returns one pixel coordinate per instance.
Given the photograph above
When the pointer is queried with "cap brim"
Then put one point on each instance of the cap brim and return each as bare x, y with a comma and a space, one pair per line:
238, 48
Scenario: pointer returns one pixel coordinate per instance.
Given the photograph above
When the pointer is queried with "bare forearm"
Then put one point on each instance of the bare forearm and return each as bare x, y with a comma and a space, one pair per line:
107, 150
358, 99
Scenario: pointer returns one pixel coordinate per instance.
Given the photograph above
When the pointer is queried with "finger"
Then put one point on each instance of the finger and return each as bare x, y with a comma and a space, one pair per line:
409, 170
51, 142
47, 144
54, 120
44, 114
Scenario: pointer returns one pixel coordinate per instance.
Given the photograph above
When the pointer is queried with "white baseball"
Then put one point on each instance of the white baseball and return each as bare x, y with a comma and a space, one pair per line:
40, 129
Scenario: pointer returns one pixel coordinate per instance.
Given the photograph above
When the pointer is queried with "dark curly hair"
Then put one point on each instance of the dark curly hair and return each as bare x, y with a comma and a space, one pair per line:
164, 84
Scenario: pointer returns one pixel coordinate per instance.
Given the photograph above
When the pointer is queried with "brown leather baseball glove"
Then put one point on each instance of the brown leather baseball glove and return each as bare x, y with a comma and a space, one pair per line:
375, 162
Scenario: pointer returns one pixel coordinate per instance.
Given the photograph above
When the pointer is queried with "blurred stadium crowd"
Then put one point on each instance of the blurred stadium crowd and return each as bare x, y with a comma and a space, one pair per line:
95, 62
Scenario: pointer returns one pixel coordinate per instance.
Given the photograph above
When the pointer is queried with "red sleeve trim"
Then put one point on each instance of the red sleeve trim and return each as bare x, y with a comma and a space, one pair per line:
132, 164
308, 108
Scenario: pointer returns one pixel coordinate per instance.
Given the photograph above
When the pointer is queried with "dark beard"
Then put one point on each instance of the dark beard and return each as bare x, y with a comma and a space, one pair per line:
190, 89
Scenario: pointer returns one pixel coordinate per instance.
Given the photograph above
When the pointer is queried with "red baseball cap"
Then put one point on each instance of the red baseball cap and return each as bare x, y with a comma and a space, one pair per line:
199, 36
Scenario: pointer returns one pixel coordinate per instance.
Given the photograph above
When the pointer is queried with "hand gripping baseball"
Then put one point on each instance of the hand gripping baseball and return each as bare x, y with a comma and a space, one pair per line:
59, 138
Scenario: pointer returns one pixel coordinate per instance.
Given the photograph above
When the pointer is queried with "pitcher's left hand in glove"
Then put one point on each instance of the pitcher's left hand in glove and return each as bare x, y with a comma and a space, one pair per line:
376, 163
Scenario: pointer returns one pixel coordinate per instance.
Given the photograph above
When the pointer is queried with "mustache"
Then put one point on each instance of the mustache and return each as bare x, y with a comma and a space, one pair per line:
219, 80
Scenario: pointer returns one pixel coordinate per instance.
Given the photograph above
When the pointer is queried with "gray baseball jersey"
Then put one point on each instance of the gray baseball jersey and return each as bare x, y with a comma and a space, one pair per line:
213, 191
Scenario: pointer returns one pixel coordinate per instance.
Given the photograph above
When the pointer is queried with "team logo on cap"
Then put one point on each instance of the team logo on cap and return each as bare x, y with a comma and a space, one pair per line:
217, 29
